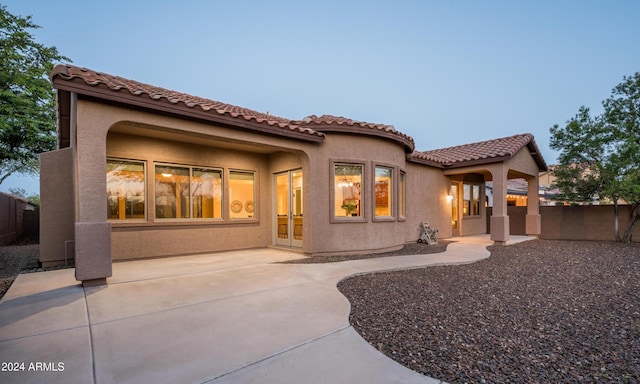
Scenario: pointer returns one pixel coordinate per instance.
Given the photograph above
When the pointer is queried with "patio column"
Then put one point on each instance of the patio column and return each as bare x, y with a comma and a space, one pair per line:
533, 226
500, 218
92, 230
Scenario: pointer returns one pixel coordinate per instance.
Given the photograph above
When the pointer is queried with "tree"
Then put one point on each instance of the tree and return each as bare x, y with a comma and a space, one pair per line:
600, 155
27, 99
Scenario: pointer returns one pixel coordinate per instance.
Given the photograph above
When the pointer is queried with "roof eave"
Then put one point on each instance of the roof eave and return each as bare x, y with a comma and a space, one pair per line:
430, 163
537, 156
475, 162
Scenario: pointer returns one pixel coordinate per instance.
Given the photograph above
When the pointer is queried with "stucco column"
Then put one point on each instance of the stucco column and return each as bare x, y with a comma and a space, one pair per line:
533, 226
92, 230
499, 218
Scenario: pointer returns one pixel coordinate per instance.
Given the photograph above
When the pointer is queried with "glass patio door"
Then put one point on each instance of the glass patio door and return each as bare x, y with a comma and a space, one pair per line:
455, 211
288, 208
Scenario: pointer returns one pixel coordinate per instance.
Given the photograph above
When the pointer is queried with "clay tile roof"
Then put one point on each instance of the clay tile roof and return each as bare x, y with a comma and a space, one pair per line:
329, 123
484, 152
93, 83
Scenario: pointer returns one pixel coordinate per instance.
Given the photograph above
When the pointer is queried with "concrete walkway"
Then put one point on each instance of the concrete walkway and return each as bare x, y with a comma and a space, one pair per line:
232, 317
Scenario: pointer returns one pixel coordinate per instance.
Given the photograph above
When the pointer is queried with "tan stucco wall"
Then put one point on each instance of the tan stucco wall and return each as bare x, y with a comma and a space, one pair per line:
161, 237
523, 163
427, 190
57, 212
369, 234
202, 144
110, 131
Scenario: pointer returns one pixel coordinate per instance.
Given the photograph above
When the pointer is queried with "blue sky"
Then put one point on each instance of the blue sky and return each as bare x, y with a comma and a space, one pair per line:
444, 72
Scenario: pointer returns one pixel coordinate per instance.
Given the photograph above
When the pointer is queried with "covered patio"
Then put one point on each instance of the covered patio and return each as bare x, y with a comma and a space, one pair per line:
469, 167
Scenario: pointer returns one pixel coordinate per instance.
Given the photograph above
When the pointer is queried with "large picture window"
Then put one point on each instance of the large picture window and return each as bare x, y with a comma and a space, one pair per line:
471, 199
348, 190
383, 191
186, 192
241, 195
172, 192
125, 190
206, 192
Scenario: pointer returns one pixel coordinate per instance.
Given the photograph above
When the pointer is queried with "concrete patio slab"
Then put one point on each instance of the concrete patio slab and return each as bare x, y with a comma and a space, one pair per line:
42, 303
122, 300
231, 318
341, 357
63, 357
200, 342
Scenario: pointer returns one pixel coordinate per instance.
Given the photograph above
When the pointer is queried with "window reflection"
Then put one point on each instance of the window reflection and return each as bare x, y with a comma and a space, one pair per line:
383, 191
206, 190
125, 190
241, 195
172, 192
348, 188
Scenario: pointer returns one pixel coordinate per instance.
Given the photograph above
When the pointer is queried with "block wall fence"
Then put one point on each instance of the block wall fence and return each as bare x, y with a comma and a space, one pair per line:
580, 222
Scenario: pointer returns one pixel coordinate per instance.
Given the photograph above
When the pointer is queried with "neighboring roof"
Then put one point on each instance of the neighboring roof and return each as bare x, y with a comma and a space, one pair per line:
485, 152
329, 123
118, 89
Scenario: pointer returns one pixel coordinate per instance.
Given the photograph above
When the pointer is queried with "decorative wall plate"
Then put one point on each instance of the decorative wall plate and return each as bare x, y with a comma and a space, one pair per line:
248, 206
236, 206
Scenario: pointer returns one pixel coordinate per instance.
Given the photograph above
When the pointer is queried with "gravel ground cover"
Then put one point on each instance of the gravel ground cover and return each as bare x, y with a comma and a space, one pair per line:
535, 312
408, 249
20, 257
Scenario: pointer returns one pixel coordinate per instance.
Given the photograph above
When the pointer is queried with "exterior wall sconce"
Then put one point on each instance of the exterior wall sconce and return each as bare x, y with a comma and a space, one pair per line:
449, 198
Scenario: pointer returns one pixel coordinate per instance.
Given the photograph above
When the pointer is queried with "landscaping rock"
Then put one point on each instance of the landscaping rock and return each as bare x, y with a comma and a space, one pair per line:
536, 312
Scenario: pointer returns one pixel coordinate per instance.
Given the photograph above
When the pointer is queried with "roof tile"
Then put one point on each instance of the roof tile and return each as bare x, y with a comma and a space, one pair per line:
339, 123
135, 88
497, 149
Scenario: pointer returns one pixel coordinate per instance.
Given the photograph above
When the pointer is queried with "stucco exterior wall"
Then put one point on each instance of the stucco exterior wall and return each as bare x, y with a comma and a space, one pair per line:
366, 234
427, 190
135, 135
161, 237
57, 209
108, 131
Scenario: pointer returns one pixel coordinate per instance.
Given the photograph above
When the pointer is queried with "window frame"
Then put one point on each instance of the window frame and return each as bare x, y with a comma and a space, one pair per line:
363, 191
402, 194
472, 186
392, 190
190, 201
229, 200
144, 192
220, 171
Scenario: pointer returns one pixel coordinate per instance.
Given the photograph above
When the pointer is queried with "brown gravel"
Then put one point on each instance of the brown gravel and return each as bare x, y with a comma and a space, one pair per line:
17, 258
408, 249
536, 312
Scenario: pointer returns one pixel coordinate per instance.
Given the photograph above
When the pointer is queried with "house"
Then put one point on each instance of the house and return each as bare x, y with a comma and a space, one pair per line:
517, 191
142, 171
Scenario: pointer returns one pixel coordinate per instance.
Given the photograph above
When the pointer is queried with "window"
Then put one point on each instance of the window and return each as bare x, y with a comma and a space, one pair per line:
383, 191
125, 190
186, 192
348, 190
172, 192
471, 199
206, 190
241, 194
402, 195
